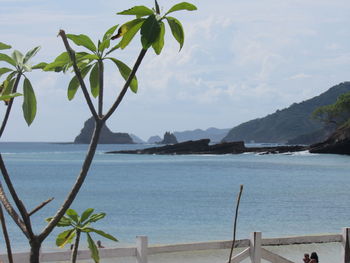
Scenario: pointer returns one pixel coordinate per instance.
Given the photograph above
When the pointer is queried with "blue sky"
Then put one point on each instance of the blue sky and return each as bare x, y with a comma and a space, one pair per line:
242, 59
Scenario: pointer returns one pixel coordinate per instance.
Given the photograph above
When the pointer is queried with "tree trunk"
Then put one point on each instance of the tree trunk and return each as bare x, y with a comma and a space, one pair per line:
75, 248
35, 246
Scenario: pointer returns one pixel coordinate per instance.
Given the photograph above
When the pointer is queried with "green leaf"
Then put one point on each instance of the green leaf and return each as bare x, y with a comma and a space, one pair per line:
65, 237
4, 70
60, 61
93, 249
182, 6
94, 81
6, 58
41, 65
7, 86
101, 233
17, 57
125, 72
159, 43
149, 31
27, 67
30, 54
82, 40
9, 96
74, 83
89, 57
104, 44
64, 221
128, 31
29, 102
176, 30
110, 32
85, 215
96, 217
4, 46
137, 11
71, 213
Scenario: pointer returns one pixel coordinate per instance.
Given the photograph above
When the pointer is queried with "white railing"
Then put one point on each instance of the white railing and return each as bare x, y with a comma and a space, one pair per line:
253, 249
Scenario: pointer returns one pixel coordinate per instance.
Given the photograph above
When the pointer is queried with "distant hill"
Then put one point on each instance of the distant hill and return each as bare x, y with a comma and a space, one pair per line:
214, 134
154, 139
292, 124
136, 139
106, 137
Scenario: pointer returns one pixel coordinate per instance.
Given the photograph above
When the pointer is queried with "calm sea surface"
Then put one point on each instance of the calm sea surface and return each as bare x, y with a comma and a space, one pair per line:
184, 198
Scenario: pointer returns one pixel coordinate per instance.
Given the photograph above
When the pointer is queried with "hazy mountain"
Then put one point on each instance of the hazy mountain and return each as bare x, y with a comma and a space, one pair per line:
154, 139
289, 123
214, 134
136, 139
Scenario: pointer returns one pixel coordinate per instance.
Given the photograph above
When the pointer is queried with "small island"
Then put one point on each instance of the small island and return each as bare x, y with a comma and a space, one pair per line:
203, 147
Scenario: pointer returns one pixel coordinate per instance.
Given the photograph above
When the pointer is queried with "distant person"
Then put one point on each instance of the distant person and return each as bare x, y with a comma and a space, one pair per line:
99, 244
306, 258
313, 257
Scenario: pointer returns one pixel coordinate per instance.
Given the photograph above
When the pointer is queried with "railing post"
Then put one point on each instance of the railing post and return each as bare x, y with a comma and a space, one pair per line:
255, 247
141, 249
346, 245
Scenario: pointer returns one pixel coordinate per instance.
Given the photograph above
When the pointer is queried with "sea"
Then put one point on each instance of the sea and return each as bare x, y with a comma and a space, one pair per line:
181, 198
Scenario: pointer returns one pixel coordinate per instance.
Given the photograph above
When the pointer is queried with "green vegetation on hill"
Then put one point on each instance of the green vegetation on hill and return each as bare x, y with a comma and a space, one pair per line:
286, 125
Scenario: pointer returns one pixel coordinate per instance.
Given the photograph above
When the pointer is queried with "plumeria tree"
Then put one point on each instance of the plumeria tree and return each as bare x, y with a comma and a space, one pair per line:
149, 22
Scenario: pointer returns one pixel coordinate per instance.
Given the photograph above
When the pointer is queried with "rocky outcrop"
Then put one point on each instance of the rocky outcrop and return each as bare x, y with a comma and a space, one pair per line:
107, 137
337, 143
203, 147
169, 138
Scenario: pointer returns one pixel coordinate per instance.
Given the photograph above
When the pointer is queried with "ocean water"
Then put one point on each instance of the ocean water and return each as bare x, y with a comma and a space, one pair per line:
179, 198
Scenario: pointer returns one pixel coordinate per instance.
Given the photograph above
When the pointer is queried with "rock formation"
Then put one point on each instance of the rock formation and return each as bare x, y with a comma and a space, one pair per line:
203, 147
107, 137
337, 143
169, 138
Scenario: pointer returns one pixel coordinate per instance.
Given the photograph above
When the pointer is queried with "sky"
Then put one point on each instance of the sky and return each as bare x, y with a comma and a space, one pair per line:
242, 59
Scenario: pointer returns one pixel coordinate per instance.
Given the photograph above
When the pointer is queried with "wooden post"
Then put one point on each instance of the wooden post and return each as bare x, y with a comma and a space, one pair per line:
141, 249
346, 245
255, 247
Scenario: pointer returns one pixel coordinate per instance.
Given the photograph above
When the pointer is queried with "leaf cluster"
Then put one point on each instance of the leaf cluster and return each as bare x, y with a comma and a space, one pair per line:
151, 26
81, 224
17, 65
90, 62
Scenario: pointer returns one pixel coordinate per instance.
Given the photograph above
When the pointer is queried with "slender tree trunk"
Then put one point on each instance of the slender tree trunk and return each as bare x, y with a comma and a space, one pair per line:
6, 236
35, 246
75, 248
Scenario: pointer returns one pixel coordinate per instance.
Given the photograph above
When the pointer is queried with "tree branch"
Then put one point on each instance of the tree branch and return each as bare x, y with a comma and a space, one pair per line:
9, 106
126, 85
40, 206
100, 96
235, 222
6, 236
80, 180
20, 206
78, 73
11, 211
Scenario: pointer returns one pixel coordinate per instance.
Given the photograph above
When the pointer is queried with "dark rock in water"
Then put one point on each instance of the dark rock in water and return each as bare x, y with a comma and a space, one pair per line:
203, 147
107, 137
169, 138
337, 143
